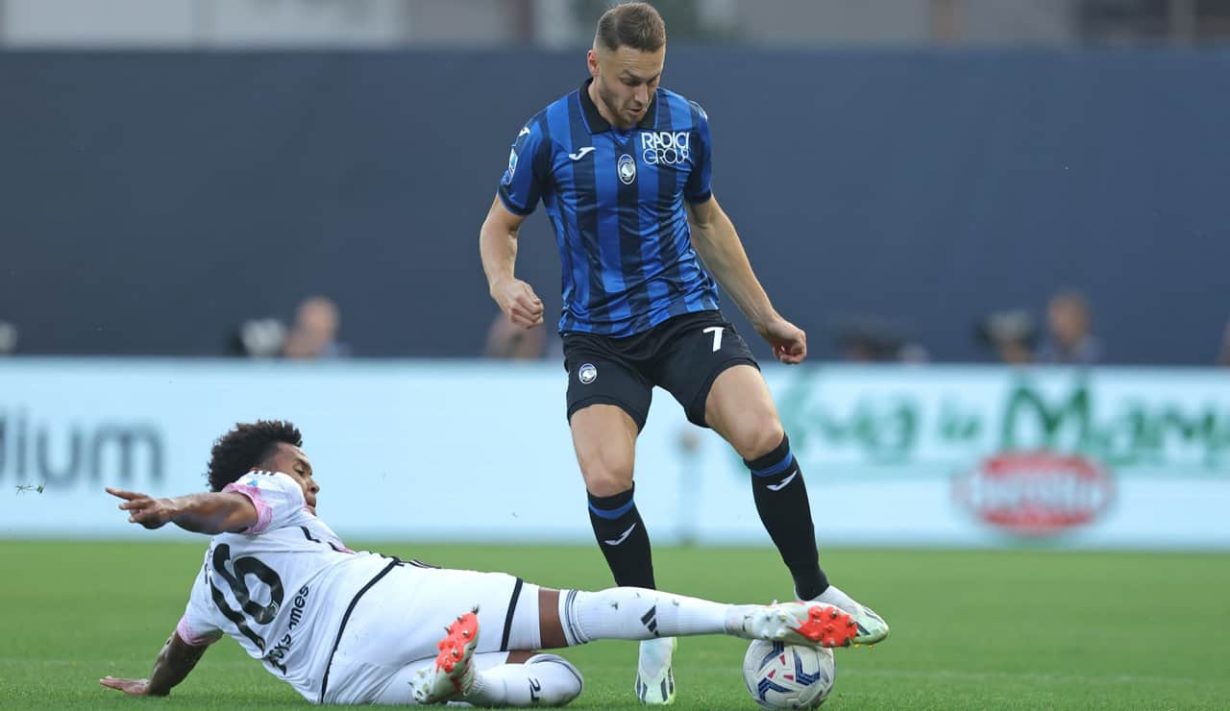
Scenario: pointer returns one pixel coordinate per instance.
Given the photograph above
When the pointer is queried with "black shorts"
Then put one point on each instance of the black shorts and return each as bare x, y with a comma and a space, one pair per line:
682, 355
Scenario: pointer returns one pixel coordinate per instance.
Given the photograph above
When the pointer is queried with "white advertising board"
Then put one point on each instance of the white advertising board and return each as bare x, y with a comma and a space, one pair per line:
471, 451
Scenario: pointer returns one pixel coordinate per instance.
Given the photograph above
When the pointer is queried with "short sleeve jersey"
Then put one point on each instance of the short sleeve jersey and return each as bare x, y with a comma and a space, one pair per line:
280, 588
616, 201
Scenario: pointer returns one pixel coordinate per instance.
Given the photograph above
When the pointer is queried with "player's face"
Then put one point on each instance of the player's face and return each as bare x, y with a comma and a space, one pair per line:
625, 80
290, 460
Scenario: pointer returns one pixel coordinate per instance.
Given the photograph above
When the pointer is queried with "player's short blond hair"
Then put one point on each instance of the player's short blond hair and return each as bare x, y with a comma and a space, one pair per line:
635, 24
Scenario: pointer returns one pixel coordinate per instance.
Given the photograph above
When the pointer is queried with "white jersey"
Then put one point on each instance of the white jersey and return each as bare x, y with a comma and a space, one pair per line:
281, 588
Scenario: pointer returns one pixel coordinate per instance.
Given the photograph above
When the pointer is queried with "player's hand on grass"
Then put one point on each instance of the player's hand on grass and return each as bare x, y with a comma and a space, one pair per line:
518, 302
788, 340
143, 509
132, 687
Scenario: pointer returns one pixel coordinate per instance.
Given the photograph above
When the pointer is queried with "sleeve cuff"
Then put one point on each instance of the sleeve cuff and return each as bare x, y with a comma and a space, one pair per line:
190, 638
264, 514
514, 209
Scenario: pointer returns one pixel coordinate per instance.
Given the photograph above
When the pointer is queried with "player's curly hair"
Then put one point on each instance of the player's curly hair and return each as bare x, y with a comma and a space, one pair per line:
635, 24
247, 445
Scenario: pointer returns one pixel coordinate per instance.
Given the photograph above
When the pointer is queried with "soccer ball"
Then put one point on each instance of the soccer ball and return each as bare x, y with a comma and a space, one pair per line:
788, 676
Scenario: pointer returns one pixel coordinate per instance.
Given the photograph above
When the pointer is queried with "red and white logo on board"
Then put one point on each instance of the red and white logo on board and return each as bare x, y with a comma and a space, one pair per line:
1035, 493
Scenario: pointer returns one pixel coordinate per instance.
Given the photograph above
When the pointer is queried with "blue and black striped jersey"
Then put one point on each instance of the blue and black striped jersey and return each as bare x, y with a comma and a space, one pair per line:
616, 201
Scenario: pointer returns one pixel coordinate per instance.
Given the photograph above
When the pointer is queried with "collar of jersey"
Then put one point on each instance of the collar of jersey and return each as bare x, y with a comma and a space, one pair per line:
596, 124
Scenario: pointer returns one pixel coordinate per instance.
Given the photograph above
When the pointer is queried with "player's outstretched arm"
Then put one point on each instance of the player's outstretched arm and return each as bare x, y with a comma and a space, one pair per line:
173, 665
210, 513
498, 246
716, 241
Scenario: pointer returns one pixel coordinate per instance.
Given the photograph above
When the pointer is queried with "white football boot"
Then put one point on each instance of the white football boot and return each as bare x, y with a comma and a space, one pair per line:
813, 624
655, 680
871, 627
452, 676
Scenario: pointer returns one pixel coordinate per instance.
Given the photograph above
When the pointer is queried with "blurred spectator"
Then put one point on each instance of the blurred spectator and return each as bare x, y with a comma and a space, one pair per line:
505, 340
258, 338
863, 345
1071, 341
1011, 334
314, 334
8, 338
871, 340
1224, 359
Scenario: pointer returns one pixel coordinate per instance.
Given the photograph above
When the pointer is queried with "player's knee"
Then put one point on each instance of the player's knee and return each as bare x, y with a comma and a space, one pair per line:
758, 435
607, 484
606, 474
560, 680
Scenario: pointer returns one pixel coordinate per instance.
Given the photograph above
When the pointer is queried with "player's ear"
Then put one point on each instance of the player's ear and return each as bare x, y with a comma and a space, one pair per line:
591, 61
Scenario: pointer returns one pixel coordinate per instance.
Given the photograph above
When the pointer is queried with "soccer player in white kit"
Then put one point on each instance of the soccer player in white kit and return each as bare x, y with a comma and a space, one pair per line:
353, 627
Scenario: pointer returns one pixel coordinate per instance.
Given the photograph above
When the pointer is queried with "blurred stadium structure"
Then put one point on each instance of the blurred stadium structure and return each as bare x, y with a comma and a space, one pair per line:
383, 24
961, 143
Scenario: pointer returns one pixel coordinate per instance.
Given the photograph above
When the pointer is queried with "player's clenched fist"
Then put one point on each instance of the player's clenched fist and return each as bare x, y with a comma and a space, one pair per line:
789, 341
519, 302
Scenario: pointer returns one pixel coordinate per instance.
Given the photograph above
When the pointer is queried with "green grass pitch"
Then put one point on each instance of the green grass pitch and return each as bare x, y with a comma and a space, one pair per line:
971, 629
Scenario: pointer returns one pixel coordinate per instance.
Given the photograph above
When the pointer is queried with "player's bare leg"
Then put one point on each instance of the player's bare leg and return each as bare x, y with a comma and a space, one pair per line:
604, 437
740, 408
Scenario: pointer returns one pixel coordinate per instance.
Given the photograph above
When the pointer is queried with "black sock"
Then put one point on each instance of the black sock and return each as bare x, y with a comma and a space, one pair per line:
781, 501
621, 536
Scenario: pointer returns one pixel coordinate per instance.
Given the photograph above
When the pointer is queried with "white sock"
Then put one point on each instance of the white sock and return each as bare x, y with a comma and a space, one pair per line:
835, 597
638, 613
544, 680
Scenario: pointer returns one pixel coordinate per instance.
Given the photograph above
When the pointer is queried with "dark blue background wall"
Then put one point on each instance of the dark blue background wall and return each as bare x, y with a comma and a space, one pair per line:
149, 202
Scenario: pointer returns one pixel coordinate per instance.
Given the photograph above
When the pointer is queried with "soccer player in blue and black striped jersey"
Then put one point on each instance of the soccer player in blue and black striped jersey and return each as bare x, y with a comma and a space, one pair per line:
623, 168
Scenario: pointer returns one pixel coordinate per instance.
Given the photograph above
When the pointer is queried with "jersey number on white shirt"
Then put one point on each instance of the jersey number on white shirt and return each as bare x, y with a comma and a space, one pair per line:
237, 582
